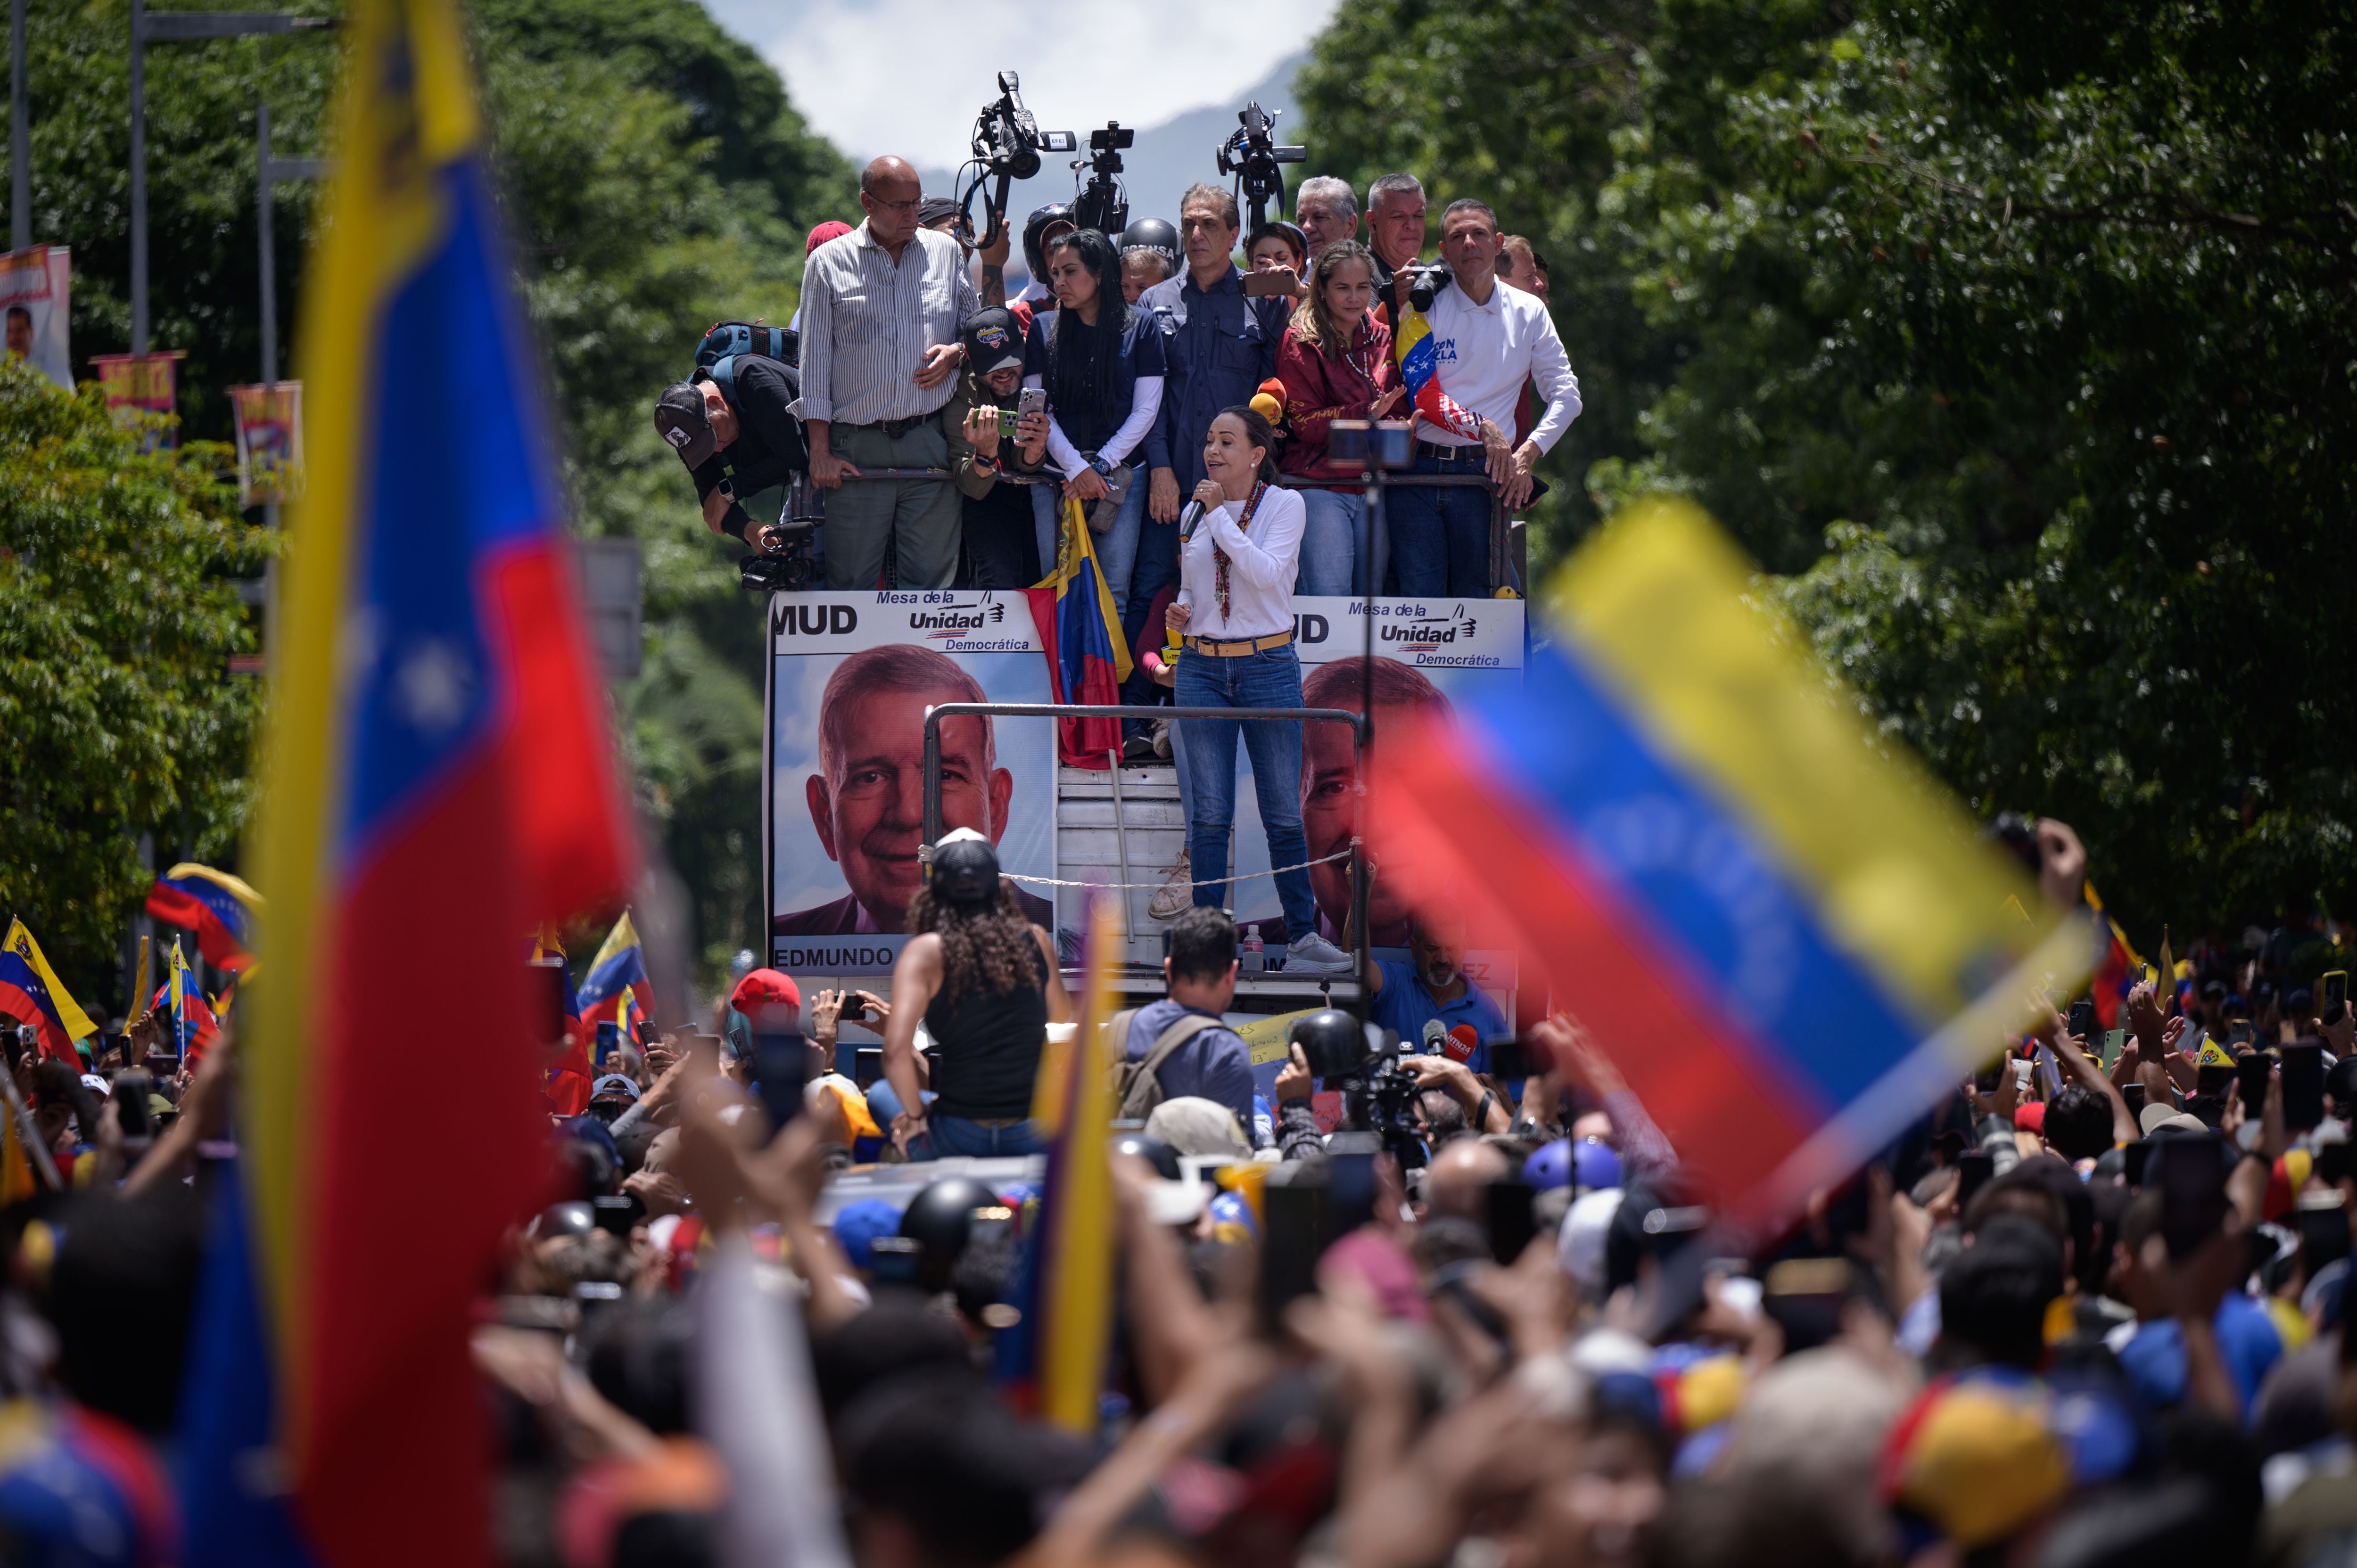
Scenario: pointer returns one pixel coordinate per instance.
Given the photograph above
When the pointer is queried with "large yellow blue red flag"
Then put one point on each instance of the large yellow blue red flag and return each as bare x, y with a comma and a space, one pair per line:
221, 908
1052, 1360
1790, 939
1087, 656
619, 971
438, 762
31, 991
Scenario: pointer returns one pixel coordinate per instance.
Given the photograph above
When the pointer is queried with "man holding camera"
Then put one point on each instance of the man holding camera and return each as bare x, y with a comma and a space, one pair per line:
986, 439
881, 308
1488, 340
735, 447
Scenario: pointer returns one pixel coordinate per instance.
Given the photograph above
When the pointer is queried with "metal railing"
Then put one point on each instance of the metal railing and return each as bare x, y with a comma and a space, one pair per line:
1361, 729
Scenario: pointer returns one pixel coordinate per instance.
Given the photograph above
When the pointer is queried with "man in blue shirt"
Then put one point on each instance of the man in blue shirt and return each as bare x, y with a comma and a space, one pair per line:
2237, 1334
1214, 1062
1432, 985
1218, 346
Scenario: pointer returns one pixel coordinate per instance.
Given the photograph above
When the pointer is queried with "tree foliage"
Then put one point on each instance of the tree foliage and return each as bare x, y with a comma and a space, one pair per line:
2013, 338
117, 622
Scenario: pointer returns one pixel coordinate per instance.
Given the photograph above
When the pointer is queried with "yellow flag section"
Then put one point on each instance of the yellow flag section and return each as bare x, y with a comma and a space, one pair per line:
77, 1022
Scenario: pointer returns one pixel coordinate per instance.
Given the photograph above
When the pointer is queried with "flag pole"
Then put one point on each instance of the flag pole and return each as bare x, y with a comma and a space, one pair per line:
139, 992
29, 1133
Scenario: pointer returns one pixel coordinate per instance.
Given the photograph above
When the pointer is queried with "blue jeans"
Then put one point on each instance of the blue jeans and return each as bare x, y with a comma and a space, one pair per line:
1332, 535
1270, 678
1440, 535
1116, 548
956, 1136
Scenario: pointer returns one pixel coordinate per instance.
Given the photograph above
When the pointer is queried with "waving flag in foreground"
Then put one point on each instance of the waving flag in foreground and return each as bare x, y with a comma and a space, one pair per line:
221, 908
1053, 1359
1088, 658
438, 762
1790, 940
31, 992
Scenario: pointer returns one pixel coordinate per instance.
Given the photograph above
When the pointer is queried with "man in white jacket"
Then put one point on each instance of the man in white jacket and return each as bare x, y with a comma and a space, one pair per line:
1488, 340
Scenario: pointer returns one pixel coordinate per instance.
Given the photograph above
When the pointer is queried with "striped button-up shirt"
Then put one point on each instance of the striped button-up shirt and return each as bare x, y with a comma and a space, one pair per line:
868, 321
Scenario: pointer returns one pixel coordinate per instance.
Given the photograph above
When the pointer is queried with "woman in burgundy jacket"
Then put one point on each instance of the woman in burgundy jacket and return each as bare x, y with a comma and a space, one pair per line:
1336, 363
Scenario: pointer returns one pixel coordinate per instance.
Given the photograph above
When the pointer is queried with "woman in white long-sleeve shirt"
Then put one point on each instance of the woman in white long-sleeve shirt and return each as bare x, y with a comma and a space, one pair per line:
1237, 558
1101, 364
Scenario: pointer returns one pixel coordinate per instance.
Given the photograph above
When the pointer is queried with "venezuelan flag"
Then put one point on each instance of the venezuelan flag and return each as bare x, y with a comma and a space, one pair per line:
1418, 359
221, 908
438, 768
1052, 1360
1088, 658
31, 992
618, 970
196, 1028
2118, 965
1790, 939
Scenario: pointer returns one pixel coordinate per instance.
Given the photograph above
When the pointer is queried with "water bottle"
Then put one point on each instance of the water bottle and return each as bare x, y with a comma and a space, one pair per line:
1250, 952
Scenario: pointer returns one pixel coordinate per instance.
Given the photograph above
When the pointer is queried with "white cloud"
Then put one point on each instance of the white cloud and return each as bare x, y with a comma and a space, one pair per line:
908, 76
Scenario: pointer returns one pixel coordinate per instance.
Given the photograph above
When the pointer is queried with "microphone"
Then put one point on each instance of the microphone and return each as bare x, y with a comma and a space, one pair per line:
1435, 1033
1190, 517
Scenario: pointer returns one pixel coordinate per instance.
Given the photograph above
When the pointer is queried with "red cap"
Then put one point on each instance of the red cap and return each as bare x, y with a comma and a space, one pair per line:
833, 229
762, 988
2030, 1118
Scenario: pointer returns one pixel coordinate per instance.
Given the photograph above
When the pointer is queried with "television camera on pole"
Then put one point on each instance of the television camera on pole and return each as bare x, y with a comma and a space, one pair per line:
1007, 143
1252, 156
1102, 205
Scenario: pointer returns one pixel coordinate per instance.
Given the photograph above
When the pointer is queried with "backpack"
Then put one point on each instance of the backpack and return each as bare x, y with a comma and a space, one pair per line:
1136, 1087
730, 337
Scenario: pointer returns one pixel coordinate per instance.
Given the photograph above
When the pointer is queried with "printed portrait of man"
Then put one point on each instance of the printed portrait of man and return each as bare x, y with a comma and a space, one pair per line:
1329, 785
867, 799
20, 332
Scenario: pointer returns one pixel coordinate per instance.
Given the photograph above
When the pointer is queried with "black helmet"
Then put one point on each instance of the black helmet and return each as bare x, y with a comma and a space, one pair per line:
1153, 234
1332, 1041
966, 869
1033, 234
939, 1220
1153, 1151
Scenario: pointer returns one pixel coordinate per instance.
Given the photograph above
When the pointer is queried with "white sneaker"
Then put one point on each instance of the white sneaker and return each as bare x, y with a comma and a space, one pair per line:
1175, 895
1162, 740
1313, 954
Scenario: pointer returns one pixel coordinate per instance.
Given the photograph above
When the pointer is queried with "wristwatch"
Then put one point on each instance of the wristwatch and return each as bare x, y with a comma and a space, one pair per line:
1096, 461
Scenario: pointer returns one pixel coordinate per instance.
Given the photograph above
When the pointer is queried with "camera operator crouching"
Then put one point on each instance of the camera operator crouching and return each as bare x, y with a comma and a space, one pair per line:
732, 423
989, 437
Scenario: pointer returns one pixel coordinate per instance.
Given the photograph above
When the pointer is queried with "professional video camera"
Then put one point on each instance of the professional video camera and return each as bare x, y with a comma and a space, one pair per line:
1007, 143
1102, 205
791, 570
1379, 1093
1252, 156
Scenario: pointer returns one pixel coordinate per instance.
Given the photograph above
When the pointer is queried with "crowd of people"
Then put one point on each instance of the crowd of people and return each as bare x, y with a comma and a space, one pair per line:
904, 343
1399, 1310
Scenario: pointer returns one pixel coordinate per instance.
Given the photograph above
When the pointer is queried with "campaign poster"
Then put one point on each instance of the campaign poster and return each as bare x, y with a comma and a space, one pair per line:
36, 302
269, 420
1429, 654
851, 675
139, 385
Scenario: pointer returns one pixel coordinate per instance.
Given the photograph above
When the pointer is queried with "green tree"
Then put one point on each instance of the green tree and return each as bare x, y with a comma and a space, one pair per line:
118, 618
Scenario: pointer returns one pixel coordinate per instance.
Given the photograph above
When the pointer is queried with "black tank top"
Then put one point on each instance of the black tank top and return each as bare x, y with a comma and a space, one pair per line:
990, 1047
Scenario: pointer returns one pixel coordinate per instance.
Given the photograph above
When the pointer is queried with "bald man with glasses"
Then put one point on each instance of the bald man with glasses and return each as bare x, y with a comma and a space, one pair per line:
880, 311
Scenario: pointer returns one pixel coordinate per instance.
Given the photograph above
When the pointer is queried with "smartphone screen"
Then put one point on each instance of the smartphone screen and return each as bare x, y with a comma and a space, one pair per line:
610, 1036
780, 1068
2251, 1078
2134, 1094
1288, 1252
2333, 991
2323, 1232
2213, 1080
2136, 1155
2192, 1192
1261, 284
1973, 1172
1510, 1062
2303, 1086
2082, 1020
1511, 1223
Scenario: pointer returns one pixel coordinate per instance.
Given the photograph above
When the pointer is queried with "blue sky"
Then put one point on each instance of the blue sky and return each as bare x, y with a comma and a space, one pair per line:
907, 76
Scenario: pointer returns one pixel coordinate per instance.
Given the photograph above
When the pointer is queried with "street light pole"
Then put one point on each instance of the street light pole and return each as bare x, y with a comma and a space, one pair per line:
20, 135
269, 171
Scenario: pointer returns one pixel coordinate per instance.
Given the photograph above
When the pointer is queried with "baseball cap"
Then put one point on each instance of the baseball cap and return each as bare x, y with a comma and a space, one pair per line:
614, 1083
679, 419
96, 1084
857, 1226
934, 208
993, 341
1976, 1460
766, 988
965, 867
833, 229
2154, 1118
2030, 1117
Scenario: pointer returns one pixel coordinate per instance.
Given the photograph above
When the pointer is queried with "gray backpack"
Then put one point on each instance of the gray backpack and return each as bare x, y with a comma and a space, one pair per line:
1136, 1087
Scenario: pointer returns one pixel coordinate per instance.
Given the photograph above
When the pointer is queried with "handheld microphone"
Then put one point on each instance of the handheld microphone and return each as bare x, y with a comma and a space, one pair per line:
1190, 517
1435, 1034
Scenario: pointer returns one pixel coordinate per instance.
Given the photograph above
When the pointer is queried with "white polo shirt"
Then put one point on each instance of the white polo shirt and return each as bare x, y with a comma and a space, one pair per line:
1484, 354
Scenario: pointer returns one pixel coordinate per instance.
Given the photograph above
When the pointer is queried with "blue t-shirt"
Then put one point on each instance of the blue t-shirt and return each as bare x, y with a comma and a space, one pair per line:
2154, 1359
1405, 1006
1211, 1064
1088, 426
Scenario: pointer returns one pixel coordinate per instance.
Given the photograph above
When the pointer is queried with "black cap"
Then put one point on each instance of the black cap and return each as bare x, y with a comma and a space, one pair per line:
679, 419
934, 208
965, 868
993, 341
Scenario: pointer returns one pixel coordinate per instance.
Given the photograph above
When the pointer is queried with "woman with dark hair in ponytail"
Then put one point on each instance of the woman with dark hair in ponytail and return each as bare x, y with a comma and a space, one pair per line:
1239, 548
983, 979
1101, 364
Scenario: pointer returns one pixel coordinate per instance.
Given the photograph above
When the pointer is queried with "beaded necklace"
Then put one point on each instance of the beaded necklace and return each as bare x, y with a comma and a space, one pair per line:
1220, 556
